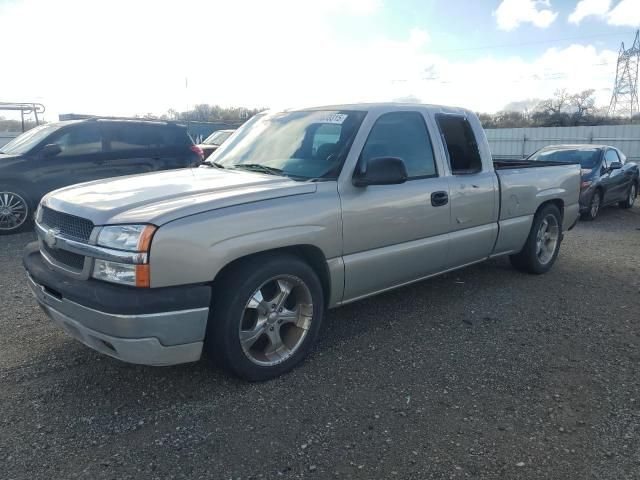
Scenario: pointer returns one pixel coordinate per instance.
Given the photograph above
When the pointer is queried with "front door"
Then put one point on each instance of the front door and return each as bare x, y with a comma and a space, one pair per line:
80, 158
613, 180
395, 234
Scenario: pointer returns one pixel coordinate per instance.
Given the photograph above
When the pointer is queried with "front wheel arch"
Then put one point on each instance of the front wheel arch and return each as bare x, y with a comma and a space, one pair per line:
310, 254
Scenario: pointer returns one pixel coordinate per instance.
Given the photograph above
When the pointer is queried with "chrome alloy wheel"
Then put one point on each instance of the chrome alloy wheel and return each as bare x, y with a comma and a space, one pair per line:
276, 320
547, 239
632, 195
13, 211
595, 205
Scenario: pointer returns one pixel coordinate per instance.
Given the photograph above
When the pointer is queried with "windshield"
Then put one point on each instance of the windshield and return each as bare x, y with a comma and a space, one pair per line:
216, 138
303, 144
587, 157
29, 139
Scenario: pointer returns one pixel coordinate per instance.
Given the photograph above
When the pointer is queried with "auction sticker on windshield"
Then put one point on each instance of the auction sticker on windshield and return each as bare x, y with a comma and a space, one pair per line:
337, 118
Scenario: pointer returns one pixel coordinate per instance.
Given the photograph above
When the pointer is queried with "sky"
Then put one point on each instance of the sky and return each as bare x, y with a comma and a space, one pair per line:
126, 57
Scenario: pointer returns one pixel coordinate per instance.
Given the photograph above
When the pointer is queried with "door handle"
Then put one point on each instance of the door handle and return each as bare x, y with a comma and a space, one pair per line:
439, 199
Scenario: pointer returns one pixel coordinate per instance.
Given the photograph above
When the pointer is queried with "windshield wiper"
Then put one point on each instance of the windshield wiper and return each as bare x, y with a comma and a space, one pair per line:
213, 164
256, 167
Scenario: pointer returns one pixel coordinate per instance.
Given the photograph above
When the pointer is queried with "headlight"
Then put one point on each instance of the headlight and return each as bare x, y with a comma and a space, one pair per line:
132, 238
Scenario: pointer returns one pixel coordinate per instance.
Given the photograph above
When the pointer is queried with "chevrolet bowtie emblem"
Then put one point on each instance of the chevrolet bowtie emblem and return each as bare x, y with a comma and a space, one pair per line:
50, 237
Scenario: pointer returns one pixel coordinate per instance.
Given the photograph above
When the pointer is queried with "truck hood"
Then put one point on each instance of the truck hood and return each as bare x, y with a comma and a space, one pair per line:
165, 196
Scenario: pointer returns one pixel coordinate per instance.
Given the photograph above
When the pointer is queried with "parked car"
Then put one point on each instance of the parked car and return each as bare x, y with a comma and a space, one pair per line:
213, 141
55, 155
241, 257
607, 177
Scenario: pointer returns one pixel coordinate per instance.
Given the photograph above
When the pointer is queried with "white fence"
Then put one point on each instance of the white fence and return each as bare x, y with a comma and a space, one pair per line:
513, 143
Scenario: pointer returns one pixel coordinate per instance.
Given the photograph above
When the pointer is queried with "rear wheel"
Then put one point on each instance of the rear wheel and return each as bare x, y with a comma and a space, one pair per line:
631, 197
594, 206
266, 316
15, 210
543, 243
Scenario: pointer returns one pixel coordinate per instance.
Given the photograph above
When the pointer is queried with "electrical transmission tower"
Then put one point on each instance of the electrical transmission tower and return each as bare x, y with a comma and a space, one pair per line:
624, 99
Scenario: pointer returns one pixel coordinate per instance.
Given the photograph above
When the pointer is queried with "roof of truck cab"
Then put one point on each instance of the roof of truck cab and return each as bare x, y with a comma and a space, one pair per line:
384, 106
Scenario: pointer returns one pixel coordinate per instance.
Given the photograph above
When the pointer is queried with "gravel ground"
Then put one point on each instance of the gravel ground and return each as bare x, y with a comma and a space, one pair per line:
482, 373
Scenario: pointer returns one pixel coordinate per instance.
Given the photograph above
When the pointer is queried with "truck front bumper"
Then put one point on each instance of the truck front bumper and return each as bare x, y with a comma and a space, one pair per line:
163, 326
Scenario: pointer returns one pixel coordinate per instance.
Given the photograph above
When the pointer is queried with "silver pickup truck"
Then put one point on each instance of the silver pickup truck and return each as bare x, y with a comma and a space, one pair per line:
299, 211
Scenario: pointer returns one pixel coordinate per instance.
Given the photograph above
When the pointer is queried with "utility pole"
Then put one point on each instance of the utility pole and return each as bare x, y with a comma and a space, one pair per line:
624, 98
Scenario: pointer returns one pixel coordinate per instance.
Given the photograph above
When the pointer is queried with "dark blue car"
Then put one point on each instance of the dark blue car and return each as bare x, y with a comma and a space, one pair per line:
607, 177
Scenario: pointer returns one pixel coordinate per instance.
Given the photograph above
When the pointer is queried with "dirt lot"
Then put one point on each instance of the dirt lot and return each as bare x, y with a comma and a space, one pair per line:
483, 373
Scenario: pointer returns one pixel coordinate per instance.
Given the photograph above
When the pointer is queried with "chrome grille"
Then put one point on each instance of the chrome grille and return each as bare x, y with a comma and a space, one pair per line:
69, 225
64, 257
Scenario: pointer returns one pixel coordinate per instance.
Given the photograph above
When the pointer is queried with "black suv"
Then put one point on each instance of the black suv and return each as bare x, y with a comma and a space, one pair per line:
59, 154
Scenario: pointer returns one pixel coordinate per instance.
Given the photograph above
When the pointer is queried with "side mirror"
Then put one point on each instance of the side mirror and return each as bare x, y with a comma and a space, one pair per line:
615, 165
380, 171
50, 150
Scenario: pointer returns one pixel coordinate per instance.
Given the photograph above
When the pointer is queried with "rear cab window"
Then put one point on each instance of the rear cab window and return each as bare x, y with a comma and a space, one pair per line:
460, 143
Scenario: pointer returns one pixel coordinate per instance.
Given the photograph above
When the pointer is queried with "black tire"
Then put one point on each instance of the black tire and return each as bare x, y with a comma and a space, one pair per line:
232, 293
9, 191
528, 259
631, 197
594, 207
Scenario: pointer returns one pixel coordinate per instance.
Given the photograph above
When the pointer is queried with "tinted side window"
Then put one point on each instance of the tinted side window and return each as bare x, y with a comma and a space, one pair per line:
135, 137
462, 147
403, 135
610, 156
80, 140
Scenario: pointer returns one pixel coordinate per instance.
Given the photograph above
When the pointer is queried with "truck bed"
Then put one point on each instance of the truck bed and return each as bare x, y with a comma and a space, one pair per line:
524, 163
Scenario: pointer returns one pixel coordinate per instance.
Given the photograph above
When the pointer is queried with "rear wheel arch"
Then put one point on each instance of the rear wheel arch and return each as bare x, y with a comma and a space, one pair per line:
558, 202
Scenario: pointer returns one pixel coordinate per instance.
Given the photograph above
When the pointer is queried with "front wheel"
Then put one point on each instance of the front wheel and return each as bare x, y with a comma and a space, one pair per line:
594, 206
543, 243
266, 314
631, 197
15, 210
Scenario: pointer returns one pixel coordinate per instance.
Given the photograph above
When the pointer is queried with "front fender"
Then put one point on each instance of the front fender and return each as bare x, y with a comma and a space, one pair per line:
195, 248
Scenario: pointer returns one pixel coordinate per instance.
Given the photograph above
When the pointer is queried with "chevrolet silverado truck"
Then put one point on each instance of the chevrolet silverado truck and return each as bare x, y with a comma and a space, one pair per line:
300, 211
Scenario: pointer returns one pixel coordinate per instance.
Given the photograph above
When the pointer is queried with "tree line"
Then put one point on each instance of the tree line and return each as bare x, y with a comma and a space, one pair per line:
11, 125
564, 109
212, 113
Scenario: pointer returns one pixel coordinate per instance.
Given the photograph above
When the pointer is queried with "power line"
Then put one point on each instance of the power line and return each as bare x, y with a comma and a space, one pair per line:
536, 42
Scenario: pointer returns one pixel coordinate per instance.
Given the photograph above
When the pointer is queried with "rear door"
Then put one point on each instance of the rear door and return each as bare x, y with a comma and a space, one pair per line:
134, 148
395, 234
473, 192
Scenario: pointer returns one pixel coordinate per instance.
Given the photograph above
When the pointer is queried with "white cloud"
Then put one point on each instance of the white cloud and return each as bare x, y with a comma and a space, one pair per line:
625, 13
587, 8
488, 84
79, 64
511, 13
